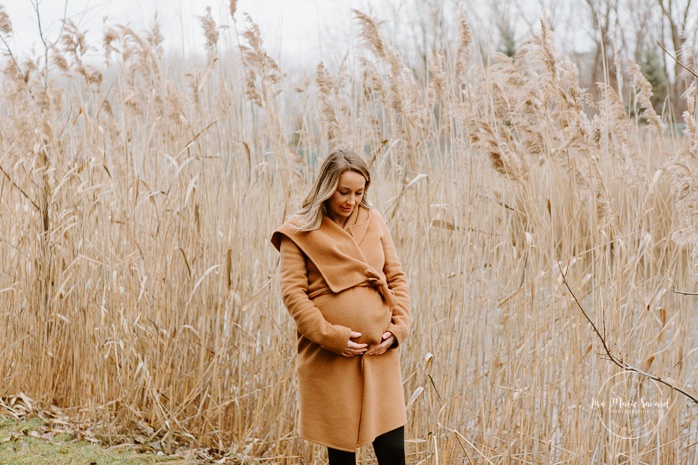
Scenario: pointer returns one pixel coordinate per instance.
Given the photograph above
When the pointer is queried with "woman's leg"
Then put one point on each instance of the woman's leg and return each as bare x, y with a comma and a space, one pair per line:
341, 457
390, 447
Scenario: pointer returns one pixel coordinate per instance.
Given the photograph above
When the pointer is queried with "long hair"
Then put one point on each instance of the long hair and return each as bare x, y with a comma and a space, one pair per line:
313, 207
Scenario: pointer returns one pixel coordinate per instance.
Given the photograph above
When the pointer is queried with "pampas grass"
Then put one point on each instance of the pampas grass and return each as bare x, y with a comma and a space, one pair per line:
139, 291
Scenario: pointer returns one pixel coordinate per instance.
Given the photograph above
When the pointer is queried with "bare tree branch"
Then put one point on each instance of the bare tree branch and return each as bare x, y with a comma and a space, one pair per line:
614, 358
676, 59
684, 21
676, 291
35, 5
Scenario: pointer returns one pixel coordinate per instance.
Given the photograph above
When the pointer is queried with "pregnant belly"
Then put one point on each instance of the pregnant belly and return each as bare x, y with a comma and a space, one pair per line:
361, 309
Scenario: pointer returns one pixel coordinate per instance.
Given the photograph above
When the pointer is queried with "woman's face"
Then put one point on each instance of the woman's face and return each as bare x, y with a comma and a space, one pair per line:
347, 197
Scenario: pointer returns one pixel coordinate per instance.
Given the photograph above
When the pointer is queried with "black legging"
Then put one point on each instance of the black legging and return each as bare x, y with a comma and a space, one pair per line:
389, 448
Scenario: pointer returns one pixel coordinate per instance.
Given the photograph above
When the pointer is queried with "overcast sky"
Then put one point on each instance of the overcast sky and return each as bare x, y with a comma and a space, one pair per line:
298, 33
291, 28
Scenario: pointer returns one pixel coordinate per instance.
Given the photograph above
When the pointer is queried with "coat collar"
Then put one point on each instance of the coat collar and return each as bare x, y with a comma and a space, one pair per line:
356, 225
333, 249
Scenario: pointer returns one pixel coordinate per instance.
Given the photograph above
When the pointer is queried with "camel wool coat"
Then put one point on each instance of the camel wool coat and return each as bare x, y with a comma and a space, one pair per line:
336, 280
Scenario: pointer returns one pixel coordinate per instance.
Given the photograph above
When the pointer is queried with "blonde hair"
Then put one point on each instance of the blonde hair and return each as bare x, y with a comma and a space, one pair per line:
313, 207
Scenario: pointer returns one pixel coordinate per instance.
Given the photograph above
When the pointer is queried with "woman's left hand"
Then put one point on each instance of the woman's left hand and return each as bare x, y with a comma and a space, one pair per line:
387, 340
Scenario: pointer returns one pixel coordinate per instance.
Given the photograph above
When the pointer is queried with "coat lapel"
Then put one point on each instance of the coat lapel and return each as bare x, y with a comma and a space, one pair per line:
334, 250
360, 224
352, 233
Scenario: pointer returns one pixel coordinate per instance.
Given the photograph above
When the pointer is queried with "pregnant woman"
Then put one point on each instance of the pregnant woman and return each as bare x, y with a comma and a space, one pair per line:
343, 284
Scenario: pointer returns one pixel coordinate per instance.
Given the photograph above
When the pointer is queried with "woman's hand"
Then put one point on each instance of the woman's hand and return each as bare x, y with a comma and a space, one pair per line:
354, 348
388, 340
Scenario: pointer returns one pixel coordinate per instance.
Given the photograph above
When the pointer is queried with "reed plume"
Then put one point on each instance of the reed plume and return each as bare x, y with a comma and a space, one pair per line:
208, 25
643, 94
465, 38
5, 22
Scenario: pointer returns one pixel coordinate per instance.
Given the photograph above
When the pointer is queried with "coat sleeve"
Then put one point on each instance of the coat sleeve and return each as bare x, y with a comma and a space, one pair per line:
294, 290
395, 277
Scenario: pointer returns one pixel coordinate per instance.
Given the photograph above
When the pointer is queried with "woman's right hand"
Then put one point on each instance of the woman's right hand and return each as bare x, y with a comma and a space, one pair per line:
354, 348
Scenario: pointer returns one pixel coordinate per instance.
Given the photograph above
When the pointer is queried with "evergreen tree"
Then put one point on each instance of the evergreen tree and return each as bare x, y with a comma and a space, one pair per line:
653, 70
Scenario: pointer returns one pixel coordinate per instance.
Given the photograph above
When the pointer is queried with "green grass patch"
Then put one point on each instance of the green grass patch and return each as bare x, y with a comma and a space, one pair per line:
22, 444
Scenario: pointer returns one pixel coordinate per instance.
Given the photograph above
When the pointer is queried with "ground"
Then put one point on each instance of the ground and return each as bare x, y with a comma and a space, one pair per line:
23, 442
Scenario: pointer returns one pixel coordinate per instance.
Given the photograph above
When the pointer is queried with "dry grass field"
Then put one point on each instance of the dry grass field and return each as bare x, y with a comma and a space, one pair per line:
139, 291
